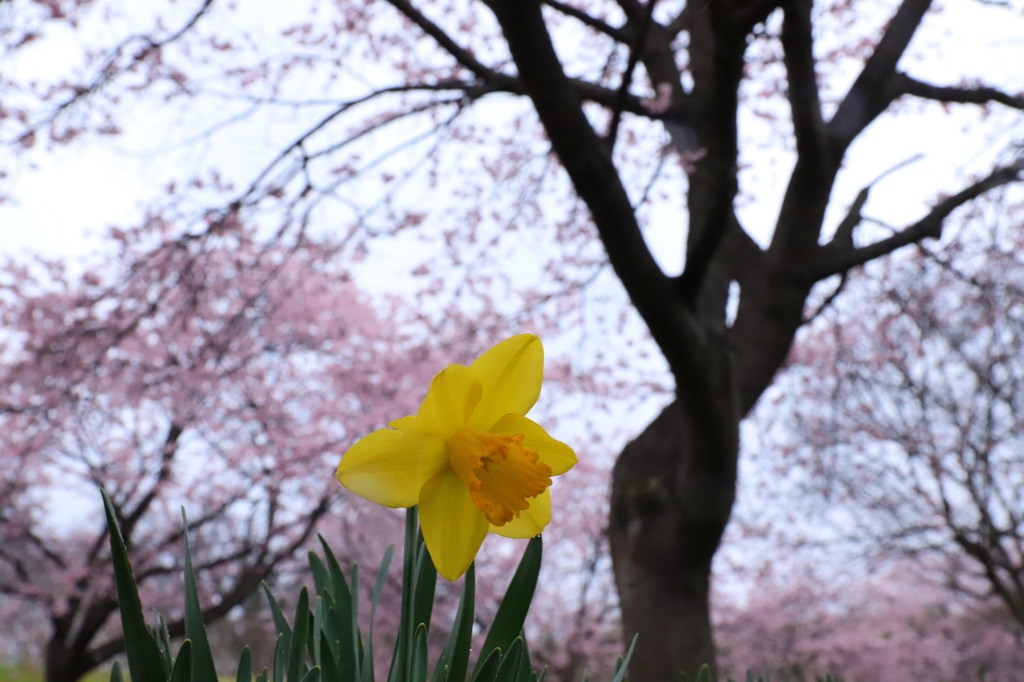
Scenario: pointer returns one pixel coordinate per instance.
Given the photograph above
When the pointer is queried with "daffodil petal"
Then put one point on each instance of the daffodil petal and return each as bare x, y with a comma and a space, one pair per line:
531, 521
511, 373
453, 394
404, 424
390, 467
453, 528
556, 454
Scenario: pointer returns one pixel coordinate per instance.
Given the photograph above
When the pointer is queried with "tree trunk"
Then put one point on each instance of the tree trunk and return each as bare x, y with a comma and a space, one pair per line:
62, 665
673, 488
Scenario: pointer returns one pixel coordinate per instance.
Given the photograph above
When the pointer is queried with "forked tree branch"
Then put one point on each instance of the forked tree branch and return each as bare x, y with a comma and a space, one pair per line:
635, 50
714, 183
874, 90
843, 237
461, 55
495, 80
836, 260
588, 20
109, 71
588, 162
167, 453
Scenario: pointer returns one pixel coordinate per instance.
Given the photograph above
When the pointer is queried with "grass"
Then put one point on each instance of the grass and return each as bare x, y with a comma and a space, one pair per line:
28, 673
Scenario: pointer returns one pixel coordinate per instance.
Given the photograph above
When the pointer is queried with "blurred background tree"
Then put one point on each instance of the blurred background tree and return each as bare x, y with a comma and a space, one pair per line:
217, 374
895, 426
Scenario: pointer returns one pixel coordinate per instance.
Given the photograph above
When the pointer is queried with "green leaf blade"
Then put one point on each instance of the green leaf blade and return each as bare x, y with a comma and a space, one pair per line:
182, 670
244, 666
296, 666
454, 660
141, 649
203, 669
508, 622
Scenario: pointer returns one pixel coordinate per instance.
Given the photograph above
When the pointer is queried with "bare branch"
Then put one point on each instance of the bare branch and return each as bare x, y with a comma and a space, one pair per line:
634, 57
496, 80
168, 451
907, 85
588, 162
843, 237
834, 261
459, 53
873, 90
829, 300
713, 183
109, 71
804, 99
588, 20
844, 231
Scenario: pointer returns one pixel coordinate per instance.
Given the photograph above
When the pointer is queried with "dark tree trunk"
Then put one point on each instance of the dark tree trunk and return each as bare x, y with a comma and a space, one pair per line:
672, 492
63, 664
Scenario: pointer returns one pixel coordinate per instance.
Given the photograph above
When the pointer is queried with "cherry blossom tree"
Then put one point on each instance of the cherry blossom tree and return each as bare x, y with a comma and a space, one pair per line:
888, 627
224, 374
480, 130
218, 373
905, 409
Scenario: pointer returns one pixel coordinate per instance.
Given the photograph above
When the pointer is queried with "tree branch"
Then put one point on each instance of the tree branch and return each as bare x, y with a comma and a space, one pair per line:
717, 62
803, 94
907, 85
633, 9
873, 90
459, 53
167, 453
634, 57
843, 237
588, 162
497, 81
109, 71
837, 259
588, 20
829, 300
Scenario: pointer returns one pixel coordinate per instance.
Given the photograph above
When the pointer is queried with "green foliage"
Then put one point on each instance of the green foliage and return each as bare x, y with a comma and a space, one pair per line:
323, 640
506, 630
145, 659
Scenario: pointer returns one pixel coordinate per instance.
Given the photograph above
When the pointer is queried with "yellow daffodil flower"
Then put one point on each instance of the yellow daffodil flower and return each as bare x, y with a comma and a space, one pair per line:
470, 458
